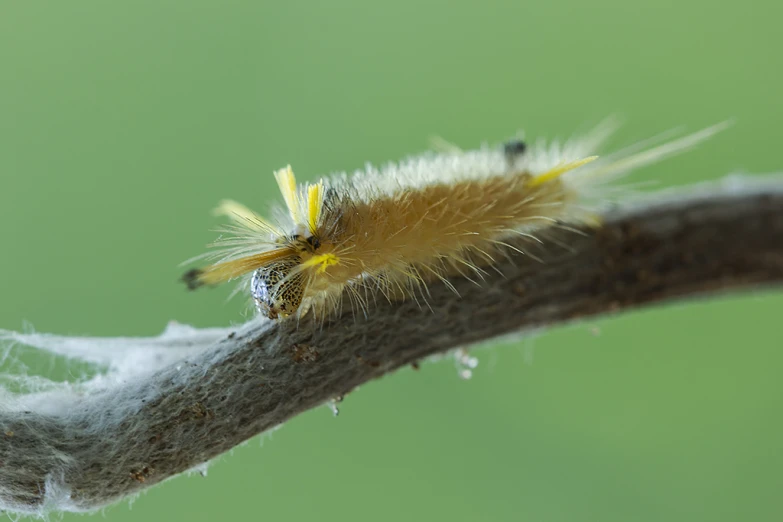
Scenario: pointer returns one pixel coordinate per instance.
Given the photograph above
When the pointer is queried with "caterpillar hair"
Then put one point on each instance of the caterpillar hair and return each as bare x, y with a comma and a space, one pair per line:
391, 231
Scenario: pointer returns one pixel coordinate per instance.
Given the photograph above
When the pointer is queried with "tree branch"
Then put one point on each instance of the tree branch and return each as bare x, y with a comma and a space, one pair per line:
119, 439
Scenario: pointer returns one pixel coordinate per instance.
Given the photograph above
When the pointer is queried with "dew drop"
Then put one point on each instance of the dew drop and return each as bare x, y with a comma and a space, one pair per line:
333, 405
466, 363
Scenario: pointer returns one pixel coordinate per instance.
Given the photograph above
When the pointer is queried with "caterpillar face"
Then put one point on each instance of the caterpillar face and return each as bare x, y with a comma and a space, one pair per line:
277, 291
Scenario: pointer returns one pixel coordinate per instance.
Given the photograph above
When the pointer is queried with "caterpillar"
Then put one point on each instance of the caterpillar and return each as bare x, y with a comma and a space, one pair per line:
391, 231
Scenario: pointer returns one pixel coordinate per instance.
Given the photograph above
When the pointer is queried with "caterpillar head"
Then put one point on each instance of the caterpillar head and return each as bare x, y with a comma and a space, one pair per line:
277, 288
281, 276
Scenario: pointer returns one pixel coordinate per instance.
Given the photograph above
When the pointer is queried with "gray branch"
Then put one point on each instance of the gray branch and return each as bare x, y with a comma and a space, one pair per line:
714, 238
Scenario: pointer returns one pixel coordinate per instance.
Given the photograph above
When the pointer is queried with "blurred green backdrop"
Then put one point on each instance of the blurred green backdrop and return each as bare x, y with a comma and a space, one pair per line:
123, 123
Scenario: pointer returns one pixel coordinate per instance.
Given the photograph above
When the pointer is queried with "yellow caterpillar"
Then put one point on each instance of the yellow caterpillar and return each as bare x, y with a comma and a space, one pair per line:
389, 231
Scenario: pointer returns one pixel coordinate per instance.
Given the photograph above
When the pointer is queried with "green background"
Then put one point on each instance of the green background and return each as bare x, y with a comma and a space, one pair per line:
123, 123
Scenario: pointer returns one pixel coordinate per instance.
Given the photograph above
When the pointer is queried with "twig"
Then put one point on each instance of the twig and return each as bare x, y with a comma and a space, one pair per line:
116, 441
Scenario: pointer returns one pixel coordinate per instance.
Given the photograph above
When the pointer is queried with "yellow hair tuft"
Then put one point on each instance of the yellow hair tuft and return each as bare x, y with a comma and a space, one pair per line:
322, 262
314, 205
559, 170
227, 270
239, 213
287, 183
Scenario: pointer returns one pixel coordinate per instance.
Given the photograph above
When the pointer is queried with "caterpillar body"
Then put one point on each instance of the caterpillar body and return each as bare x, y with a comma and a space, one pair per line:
391, 231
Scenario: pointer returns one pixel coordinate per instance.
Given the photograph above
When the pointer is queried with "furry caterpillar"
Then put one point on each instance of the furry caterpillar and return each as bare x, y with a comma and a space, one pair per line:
392, 230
